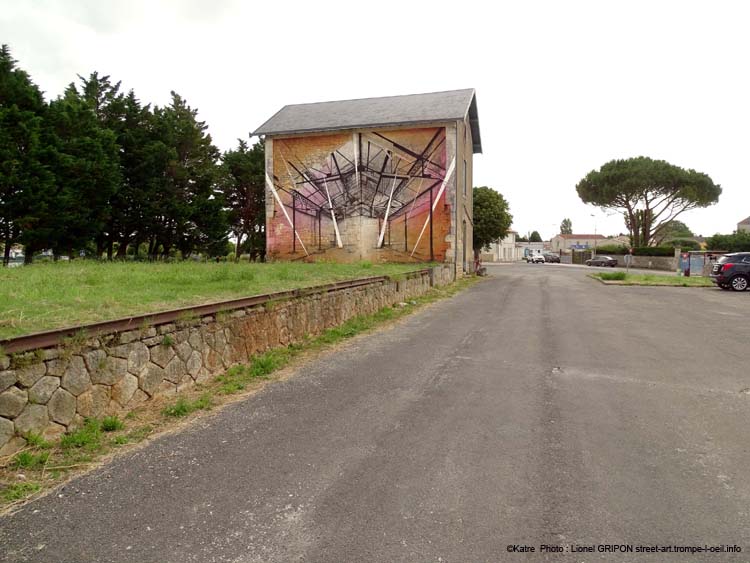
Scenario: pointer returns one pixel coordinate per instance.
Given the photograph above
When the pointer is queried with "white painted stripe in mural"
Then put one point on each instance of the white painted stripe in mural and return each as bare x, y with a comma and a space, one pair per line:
333, 216
283, 208
448, 175
388, 207
356, 158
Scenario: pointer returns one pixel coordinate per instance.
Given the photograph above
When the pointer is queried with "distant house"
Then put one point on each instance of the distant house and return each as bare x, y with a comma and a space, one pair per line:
744, 225
504, 250
577, 242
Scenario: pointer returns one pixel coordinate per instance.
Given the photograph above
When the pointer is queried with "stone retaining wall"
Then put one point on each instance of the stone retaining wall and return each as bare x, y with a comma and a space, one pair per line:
53, 390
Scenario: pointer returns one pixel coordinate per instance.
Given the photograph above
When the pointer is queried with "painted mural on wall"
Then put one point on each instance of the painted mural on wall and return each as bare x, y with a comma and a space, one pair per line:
362, 195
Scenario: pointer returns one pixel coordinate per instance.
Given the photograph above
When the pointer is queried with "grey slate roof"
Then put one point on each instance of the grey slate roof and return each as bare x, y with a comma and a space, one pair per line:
390, 111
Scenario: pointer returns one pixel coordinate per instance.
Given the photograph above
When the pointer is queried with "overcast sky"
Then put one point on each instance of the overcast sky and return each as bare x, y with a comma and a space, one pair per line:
562, 87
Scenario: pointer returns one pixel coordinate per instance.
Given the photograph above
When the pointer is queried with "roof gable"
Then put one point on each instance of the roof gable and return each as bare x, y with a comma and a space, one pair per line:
745, 221
453, 105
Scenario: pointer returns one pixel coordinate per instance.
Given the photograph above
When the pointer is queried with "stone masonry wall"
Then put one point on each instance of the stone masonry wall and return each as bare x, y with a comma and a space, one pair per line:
53, 390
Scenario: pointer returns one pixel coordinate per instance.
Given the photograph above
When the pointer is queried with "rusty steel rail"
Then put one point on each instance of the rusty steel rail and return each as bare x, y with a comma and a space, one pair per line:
51, 338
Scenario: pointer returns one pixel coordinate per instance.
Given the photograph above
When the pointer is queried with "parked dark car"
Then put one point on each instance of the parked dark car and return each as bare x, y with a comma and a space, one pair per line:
602, 261
549, 257
732, 271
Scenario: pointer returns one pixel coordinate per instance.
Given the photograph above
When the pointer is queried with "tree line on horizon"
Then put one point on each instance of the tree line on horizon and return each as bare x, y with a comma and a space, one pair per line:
96, 172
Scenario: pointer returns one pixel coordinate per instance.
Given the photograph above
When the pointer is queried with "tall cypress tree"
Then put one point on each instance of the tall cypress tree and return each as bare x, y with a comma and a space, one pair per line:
189, 210
86, 170
26, 183
243, 185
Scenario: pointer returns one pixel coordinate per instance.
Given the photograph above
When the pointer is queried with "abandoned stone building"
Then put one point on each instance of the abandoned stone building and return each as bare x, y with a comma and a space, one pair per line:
379, 179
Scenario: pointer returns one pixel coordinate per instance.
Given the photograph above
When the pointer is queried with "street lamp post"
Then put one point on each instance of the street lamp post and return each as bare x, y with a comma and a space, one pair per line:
594, 216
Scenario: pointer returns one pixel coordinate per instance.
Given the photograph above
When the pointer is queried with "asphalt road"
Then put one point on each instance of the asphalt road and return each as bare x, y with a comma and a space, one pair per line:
538, 407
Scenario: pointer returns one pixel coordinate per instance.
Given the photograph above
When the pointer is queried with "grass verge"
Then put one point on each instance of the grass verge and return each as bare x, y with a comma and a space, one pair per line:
621, 278
52, 295
42, 465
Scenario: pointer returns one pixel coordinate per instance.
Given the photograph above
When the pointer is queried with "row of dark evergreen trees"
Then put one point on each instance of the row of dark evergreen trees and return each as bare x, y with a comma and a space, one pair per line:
95, 171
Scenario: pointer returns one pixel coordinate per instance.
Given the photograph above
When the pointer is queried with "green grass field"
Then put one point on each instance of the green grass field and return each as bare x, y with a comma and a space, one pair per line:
621, 278
54, 295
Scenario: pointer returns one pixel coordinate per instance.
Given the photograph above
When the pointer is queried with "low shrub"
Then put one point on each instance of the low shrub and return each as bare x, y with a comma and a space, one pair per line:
653, 251
112, 423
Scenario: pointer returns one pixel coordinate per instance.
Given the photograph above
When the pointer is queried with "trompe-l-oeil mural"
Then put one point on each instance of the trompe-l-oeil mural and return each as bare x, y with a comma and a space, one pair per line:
365, 194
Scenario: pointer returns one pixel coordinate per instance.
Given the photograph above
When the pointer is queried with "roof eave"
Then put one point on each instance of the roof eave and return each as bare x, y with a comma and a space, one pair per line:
260, 131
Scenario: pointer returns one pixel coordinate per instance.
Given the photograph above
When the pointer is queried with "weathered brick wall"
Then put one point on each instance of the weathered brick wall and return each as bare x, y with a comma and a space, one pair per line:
53, 390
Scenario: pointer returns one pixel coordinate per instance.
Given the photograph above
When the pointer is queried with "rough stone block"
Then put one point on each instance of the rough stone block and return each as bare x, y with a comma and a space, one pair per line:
150, 332
43, 389
51, 353
153, 341
194, 364
95, 361
183, 351
12, 402
138, 358
161, 355
4, 362
14, 445
76, 378
114, 408
167, 328
195, 340
123, 391
121, 351
181, 336
150, 378
166, 389
212, 361
62, 407
53, 432
7, 378
29, 375
175, 371
34, 418
94, 402
204, 376
138, 398
57, 367
6, 431
129, 336
78, 422
113, 371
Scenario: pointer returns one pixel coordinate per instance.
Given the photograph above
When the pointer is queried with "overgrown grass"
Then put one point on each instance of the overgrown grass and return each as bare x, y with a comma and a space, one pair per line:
88, 438
654, 279
51, 295
183, 407
112, 424
17, 491
30, 460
